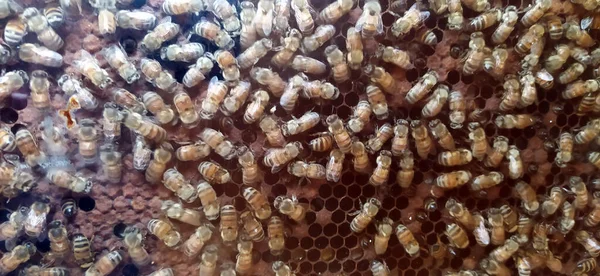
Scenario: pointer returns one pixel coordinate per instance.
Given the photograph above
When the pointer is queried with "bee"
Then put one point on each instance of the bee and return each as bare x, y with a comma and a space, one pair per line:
381, 173
591, 245
384, 79
303, 15
438, 250
586, 104
208, 260
45, 271
106, 264
153, 72
40, 86
88, 66
495, 63
496, 221
252, 226
321, 35
111, 163
82, 251
510, 218
33, 53
37, 23
275, 233
453, 179
136, 20
196, 73
455, 17
292, 92
68, 208
213, 33
518, 121
141, 153
585, 265
307, 170
17, 256
254, 111
273, 82
228, 65
213, 172
494, 267
368, 211
554, 26
216, 140
581, 194
411, 19
528, 197
457, 105
457, 236
507, 25
177, 7
379, 269
308, 65
499, 149
567, 219
540, 238
107, 23
370, 23
228, 15
524, 225
282, 12
161, 157
460, 213
528, 92
68, 180
422, 88
35, 221
581, 55
423, 141
340, 134
436, 102
176, 211
553, 202
395, 56
378, 102
243, 262
426, 36
194, 244
333, 170
302, 124
354, 46
592, 218
575, 33
535, 13
127, 100
258, 203
319, 90
525, 42
88, 141
337, 61
594, 158
228, 225
480, 232
272, 131
164, 31
254, 53
250, 171
290, 207
334, 11
457, 157
512, 93
164, 231
290, 45
14, 32
382, 135
382, 237
588, 133
322, 143
571, 74
406, 173
59, 243
281, 269
400, 140
188, 52
408, 241
155, 104
485, 20
27, 145
248, 33
134, 242
263, 20
208, 199
361, 158
476, 55
479, 143
560, 55
217, 91
503, 252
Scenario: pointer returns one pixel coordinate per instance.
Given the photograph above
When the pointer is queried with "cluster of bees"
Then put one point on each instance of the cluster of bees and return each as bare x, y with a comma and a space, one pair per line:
250, 88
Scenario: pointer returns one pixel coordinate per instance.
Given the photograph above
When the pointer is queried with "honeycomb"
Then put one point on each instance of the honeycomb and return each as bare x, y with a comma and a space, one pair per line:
324, 243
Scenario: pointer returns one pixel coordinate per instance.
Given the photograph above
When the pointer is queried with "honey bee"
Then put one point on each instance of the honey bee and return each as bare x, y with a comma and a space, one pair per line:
436, 102
255, 110
155, 104
455, 17
177, 7
164, 231
276, 158
302, 124
581, 37
17, 256
408, 241
496, 221
273, 82
334, 11
272, 131
217, 90
370, 23
228, 65
540, 238
127, 100
499, 149
494, 267
290, 45
592, 218
528, 197
250, 171
377, 101
258, 203
512, 93
35, 221
560, 55
282, 12
40, 86
228, 15
213, 33
321, 35
585, 265
107, 23
281, 269
111, 163
106, 264
153, 72
553, 202
307, 170
88, 66
208, 199
382, 135
423, 141
141, 153
382, 237
382, 78
33, 53
194, 244
243, 262
161, 157
136, 20
588, 132
524, 225
82, 251
263, 20
554, 26
322, 143
381, 173
27, 145
457, 236
65, 179
406, 173
507, 25
303, 15
395, 56
594, 158
176, 211
426, 36
248, 33
571, 74
14, 32
457, 157
379, 268
367, 212
411, 19
45, 271
510, 218
526, 41
255, 52
354, 46
188, 52
275, 233
580, 190
194, 75
361, 158
213, 172
586, 104
581, 55
337, 61
134, 242
208, 261
292, 92
400, 140
453, 179
460, 213
476, 55
10, 229
591, 245
422, 88
216, 140
518, 121
37, 23
457, 105
252, 226
535, 13
59, 243
480, 232
308, 65
479, 143
485, 20
340, 134
228, 225
164, 31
